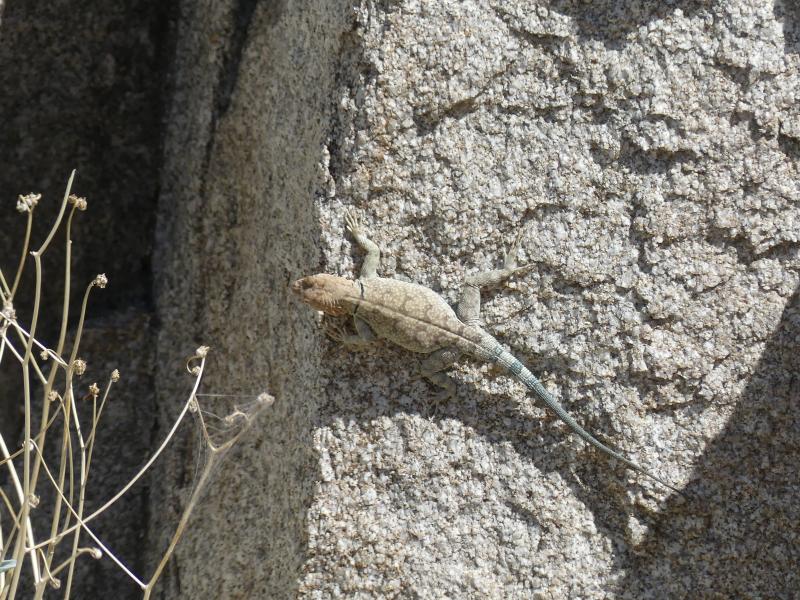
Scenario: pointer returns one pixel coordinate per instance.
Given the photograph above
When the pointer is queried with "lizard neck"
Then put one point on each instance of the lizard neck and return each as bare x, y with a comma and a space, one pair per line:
358, 296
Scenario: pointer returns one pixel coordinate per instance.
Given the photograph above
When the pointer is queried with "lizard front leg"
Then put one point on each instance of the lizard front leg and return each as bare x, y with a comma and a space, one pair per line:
370, 266
364, 335
469, 306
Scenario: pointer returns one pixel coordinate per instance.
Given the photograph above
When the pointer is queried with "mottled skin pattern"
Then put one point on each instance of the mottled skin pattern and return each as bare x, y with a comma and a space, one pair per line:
411, 316
418, 319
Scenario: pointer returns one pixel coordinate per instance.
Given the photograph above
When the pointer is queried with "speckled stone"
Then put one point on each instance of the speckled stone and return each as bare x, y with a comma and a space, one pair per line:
646, 152
649, 155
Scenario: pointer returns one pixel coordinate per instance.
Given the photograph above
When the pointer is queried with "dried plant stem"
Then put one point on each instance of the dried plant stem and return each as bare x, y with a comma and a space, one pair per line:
145, 467
23, 256
19, 549
18, 452
5, 290
69, 412
71, 560
217, 452
70, 477
81, 495
20, 493
187, 512
82, 524
61, 340
21, 334
60, 216
86, 461
96, 414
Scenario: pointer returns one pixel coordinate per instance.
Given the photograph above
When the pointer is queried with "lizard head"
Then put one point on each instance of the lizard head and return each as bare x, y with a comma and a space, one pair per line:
328, 293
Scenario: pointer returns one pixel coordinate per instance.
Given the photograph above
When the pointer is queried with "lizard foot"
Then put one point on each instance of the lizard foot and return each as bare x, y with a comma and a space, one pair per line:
335, 331
439, 399
510, 258
522, 269
353, 223
338, 333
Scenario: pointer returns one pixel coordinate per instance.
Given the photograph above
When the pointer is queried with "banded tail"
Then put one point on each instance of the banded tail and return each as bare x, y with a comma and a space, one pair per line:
509, 362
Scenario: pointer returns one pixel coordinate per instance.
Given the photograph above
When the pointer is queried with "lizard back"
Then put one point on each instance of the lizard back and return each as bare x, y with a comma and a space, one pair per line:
410, 315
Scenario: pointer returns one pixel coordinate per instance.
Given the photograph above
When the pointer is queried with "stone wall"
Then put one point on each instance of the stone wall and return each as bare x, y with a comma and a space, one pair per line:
645, 153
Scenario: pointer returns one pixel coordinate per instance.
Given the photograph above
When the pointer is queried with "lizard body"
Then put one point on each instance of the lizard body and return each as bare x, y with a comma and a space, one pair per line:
420, 320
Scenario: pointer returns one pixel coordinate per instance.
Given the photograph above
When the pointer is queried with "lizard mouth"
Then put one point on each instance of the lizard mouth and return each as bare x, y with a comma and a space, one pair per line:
310, 291
304, 290
297, 287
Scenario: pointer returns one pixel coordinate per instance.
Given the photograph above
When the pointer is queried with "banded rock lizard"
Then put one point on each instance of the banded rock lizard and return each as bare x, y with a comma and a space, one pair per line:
420, 320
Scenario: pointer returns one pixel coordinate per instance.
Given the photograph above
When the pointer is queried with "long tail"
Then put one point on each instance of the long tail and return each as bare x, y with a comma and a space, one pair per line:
516, 368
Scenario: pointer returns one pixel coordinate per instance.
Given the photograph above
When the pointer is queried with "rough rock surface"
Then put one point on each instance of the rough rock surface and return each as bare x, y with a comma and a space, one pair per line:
246, 130
649, 156
648, 153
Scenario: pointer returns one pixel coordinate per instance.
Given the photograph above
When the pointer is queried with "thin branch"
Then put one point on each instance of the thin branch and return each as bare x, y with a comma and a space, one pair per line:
147, 465
82, 524
23, 255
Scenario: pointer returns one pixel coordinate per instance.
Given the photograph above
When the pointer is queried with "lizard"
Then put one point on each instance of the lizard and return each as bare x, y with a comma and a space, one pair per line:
418, 319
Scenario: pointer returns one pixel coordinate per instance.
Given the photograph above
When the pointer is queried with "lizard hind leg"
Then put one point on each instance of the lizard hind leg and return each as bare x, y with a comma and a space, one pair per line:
469, 306
431, 369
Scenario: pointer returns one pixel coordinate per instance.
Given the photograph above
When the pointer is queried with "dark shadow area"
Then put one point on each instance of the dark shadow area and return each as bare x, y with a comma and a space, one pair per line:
83, 90
655, 162
83, 86
738, 534
788, 11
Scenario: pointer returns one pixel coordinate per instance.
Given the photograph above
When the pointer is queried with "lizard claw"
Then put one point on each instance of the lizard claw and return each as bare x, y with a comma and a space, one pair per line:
339, 333
438, 399
335, 331
510, 257
353, 223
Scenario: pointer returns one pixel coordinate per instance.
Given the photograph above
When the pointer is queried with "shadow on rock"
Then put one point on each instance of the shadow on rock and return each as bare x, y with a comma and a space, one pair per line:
788, 11
738, 536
